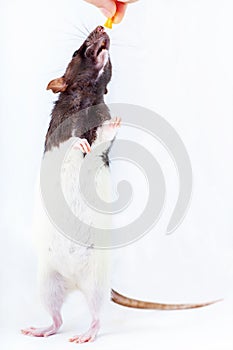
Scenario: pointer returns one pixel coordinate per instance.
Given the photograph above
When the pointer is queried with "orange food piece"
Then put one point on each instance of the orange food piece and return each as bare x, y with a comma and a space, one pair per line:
108, 23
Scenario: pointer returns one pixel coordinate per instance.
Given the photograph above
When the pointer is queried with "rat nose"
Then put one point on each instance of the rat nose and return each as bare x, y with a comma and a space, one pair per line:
100, 29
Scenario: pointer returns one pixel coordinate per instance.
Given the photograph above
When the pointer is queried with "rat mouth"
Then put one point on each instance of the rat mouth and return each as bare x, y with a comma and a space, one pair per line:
97, 47
97, 43
103, 44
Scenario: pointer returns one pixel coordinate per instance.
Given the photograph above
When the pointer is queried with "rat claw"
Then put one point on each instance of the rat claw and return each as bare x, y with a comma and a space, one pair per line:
82, 339
40, 332
87, 337
118, 121
110, 128
115, 123
83, 145
27, 331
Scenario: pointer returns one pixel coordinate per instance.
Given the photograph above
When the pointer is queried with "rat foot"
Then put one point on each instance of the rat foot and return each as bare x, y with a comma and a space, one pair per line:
83, 145
40, 332
46, 331
89, 336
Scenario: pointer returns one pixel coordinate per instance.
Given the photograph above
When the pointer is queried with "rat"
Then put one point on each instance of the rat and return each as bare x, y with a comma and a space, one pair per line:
65, 266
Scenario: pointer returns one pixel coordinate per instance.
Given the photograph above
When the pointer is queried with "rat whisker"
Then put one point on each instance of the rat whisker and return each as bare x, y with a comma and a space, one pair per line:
124, 45
75, 36
85, 27
115, 70
80, 30
76, 28
74, 40
115, 41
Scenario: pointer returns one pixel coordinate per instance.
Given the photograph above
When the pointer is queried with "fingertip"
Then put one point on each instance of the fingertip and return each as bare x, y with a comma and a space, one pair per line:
108, 8
107, 13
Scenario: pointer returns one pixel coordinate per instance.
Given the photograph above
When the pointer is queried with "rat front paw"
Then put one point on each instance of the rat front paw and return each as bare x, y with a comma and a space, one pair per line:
110, 128
83, 145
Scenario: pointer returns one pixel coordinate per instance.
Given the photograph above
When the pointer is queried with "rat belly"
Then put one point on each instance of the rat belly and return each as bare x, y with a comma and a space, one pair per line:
57, 250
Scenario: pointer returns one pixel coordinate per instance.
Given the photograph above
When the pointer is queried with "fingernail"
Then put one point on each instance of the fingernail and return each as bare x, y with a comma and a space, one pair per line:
106, 12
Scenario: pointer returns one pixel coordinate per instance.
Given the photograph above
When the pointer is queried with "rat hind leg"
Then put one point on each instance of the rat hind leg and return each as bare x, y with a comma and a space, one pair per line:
94, 299
53, 292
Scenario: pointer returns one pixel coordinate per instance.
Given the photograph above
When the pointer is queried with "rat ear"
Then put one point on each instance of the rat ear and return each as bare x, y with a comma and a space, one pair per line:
57, 85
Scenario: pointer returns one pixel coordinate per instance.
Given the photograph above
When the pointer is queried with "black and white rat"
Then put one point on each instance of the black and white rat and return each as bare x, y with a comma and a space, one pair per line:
65, 266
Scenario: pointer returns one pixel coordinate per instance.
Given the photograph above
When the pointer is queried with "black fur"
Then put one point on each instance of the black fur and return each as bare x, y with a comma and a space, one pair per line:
73, 113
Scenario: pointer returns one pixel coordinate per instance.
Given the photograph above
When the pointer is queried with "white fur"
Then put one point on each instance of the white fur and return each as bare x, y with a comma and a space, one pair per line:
80, 266
64, 265
102, 61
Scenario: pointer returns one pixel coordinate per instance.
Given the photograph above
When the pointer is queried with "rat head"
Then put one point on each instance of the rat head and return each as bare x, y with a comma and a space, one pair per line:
90, 66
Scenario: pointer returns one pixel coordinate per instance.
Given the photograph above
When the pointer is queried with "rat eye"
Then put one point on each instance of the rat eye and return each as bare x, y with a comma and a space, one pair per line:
75, 53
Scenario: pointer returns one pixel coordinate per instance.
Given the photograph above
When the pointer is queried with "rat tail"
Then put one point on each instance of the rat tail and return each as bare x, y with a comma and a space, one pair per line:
139, 304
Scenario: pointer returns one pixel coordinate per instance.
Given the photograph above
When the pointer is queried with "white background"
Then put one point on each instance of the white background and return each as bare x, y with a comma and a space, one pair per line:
174, 57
